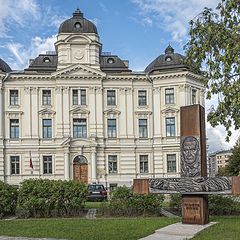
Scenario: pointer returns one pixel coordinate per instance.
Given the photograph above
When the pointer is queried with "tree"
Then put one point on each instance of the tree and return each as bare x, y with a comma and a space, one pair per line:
233, 168
214, 49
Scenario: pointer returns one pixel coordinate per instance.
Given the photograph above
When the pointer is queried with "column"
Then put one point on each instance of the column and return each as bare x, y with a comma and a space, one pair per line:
27, 113
1, 114
93, 164
59, 111
123, 116
66, 164
34, 111
66, 120
99, 112
130, 113
92, 115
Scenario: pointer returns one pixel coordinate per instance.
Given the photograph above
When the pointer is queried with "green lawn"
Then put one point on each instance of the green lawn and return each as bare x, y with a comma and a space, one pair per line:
107, 229
112, 228
228, 228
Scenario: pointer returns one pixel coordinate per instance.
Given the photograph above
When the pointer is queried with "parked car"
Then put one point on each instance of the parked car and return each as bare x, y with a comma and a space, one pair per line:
96, 192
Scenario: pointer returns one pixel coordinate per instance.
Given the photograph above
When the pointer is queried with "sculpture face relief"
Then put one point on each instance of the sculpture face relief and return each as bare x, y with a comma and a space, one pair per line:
190, 158
190, 149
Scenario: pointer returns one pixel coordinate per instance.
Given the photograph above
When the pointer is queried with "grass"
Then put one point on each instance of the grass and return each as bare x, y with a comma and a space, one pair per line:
107, 229
96, 205
112, 228
227, 229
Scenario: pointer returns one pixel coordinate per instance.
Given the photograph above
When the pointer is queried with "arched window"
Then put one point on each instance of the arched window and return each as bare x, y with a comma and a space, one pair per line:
80, 159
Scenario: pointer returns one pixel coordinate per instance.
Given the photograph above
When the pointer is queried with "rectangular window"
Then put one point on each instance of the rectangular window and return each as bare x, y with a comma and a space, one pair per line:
171, 162
47, 164
83, 96
111, 97
13, 97
47, 128
79, 96
143, 130
46, 97
15, 164
112, 164
14, 128
142, 97
75, 96
112, 133
143, 163
79, 128
170, 127
194, 96
169, 96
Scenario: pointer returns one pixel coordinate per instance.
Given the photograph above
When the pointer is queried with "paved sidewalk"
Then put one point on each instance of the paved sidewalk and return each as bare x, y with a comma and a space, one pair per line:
178, 231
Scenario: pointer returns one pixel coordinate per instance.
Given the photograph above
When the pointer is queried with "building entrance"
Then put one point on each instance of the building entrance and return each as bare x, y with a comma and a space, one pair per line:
80, 169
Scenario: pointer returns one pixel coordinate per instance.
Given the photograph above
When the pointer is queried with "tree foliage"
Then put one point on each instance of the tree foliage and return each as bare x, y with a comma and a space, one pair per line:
233, 168
214, 49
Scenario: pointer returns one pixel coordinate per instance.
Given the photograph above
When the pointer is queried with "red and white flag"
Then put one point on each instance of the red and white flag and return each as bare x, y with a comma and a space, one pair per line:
30, 161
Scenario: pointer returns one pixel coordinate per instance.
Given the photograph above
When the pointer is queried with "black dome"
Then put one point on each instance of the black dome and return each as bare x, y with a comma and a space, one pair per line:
169, 60
77, 24
4, 66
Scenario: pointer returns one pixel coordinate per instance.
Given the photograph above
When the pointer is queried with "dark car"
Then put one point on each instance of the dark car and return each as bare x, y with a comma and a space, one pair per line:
96, 192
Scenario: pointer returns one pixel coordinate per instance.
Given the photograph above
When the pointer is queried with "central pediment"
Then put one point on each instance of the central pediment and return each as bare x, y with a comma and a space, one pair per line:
79, 70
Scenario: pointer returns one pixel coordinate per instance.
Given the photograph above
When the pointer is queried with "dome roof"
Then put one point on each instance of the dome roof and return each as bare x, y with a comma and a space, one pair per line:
77, 24
169, 60
4, 66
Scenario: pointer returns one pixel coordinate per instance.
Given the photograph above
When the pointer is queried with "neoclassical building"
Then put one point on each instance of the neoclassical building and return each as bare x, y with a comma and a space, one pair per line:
79, 113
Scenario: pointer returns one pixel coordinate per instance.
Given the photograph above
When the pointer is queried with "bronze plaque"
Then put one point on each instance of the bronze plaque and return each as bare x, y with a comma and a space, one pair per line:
195, 209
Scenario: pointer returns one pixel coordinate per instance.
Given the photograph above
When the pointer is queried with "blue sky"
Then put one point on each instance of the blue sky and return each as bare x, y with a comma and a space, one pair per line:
136, 30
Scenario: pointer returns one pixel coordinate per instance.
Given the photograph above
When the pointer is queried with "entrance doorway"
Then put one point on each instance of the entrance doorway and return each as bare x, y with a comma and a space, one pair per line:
80, 169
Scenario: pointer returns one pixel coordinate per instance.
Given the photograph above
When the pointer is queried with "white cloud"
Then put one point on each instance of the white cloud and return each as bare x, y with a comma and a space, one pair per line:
23, 54
173, 16
17, 11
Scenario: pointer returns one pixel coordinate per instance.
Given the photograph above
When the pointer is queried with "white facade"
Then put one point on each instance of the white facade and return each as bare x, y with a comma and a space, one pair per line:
53, 127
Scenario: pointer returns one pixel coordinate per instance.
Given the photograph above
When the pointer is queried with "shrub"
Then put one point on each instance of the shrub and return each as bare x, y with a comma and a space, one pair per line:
218, 205
125, 203
8, 199
223, 205
46, 198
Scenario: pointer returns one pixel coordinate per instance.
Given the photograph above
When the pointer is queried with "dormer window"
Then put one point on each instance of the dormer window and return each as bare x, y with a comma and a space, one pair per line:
46, 60
110, 60
77, 25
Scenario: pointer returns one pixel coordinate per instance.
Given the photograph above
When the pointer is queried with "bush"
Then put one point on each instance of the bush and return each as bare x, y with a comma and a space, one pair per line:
46, 198
223, 205
8, 199
125, 203
218, 205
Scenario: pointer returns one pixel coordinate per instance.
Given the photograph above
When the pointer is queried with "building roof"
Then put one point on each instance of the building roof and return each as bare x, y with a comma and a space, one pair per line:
48, 63
112, 63
4, 67
77, 24
167, 61
43, 63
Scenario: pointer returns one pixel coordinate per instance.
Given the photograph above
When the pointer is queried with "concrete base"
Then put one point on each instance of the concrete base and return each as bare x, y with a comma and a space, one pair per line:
178, 231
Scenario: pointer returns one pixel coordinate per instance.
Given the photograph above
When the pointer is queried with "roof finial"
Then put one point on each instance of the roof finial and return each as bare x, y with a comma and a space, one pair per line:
169, 49
78, 13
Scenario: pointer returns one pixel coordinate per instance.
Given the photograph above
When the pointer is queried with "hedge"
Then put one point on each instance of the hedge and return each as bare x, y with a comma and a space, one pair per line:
218, 204
8, 199
47, 198
125, 203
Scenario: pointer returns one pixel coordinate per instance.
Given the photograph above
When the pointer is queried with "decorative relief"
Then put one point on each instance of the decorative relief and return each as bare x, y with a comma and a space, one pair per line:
91, 90
79, 54
156, 90
190, 157
27, 90
122, 90
65, 89
34, 90
99, 90
184, 185
58, 89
